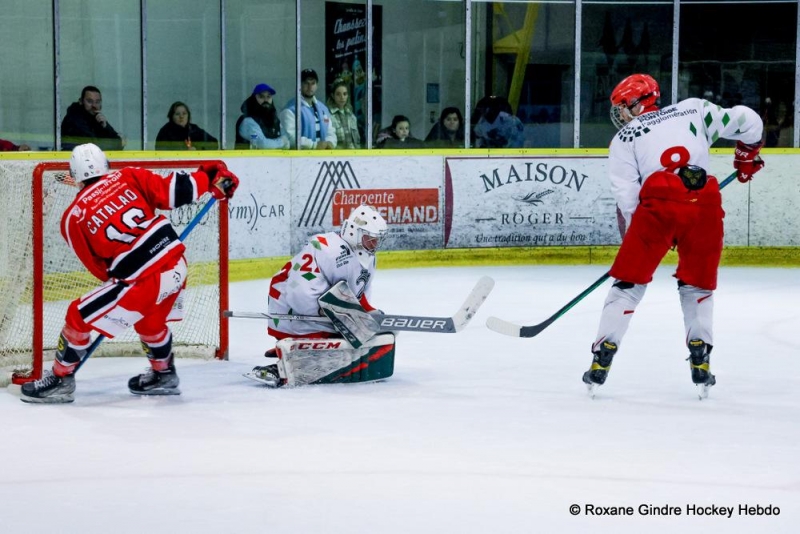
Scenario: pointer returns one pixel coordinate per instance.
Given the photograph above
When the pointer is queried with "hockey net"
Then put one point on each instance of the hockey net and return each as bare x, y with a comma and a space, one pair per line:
40, 275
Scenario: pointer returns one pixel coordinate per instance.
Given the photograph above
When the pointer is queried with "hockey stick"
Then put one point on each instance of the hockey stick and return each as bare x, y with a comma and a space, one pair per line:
508, 328
407, 323
186, 231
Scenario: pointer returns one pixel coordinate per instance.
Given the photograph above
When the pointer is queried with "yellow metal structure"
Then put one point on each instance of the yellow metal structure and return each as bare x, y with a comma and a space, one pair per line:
517, 42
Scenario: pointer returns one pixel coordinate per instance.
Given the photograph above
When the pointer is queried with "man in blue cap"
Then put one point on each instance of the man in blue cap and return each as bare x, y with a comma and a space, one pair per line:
259, 126
316, 128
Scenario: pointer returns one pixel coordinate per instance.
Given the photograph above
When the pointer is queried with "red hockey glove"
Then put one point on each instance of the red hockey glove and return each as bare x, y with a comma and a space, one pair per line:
747, 161
224, 185
211, 169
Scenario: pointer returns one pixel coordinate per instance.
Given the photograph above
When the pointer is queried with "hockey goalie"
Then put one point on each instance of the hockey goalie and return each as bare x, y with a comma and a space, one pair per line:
331, 278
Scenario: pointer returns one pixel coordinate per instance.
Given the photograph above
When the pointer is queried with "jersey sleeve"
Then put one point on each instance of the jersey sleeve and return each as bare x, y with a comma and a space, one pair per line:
739, 123
625, 179
175, 190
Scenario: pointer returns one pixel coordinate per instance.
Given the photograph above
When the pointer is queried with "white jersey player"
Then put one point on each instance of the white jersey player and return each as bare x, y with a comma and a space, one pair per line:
324, 261
665, 199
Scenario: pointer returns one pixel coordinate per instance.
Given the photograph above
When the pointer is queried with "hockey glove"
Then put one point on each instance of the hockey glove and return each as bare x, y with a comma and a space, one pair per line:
211, 169
746, 161
224, 185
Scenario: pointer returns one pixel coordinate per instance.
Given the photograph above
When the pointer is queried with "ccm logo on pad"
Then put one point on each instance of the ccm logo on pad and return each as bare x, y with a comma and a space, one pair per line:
427, 324
317, 345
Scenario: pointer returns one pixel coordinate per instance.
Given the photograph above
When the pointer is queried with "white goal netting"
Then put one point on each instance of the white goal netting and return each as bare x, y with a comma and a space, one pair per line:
30, 321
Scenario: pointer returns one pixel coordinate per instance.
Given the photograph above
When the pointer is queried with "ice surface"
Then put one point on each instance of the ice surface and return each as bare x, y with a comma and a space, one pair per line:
475, 432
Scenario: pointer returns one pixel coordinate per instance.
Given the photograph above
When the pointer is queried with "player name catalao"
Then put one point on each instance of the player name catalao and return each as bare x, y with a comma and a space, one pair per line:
710, 510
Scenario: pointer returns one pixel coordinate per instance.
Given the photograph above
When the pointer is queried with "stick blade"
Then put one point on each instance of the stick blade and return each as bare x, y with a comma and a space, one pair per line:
504, 327
474, 301
508, 328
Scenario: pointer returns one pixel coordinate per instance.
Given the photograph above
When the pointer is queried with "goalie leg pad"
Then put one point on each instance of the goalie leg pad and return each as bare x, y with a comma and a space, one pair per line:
334, 361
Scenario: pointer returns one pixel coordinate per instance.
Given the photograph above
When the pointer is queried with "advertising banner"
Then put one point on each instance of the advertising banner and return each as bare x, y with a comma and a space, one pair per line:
259, 212
528, 201
346, 55
407, 194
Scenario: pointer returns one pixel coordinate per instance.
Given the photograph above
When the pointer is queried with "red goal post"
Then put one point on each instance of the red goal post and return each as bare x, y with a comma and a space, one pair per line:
40, 275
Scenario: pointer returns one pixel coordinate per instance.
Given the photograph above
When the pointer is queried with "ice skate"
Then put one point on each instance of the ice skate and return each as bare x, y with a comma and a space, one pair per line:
699, 352
50, 389
266, 374
601, 364
156, 382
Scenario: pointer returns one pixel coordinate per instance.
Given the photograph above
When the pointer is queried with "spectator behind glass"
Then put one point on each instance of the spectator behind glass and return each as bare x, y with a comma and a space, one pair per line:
8, 146
179, 133
495, 126
316, 130
85, 123
259, 125
400, 135
342, 116
448, 131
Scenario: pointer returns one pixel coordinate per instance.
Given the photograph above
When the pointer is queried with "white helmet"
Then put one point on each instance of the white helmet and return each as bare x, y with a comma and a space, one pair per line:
363, 230
87, 162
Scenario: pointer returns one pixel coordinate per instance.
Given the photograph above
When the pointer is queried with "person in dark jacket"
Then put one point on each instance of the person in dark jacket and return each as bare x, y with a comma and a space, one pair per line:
400, 135
85, 123
259, 125
180, 133
448, 130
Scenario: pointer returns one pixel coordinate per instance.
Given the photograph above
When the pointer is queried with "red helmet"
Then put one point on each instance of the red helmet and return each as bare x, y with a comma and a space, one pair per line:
635, 94
636, 89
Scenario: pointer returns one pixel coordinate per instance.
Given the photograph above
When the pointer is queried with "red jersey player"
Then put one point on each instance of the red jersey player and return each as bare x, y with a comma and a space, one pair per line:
113, 228
657, 166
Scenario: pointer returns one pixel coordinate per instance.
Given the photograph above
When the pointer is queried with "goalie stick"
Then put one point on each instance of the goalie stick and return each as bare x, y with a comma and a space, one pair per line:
406, 323
508, 328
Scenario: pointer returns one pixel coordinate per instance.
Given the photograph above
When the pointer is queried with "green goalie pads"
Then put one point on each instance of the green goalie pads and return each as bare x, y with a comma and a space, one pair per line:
335, 361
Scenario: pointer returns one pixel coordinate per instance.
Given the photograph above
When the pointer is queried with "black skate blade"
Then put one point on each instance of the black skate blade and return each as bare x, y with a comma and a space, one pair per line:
55, 399
157, 392
268, 383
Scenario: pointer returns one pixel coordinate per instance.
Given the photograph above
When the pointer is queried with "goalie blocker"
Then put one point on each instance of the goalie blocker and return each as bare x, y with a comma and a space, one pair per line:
334, 360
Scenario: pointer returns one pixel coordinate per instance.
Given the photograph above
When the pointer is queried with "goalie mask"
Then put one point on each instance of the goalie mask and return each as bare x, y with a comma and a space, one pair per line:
636, 94
363, 230
87, 162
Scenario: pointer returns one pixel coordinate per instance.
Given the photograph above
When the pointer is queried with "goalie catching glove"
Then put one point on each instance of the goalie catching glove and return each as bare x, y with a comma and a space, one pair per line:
222, 183
746, 160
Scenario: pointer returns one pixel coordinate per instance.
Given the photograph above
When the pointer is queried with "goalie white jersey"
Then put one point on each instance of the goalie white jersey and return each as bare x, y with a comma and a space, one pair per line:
687, 129
324, 261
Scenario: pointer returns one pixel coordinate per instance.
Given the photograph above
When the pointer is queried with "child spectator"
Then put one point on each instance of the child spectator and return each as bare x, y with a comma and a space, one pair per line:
400, 135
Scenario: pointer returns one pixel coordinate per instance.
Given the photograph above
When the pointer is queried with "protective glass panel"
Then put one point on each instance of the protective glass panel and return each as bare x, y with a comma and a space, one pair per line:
183, 65
754, 67
26, 113
620, 39
260, 47
100, 47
